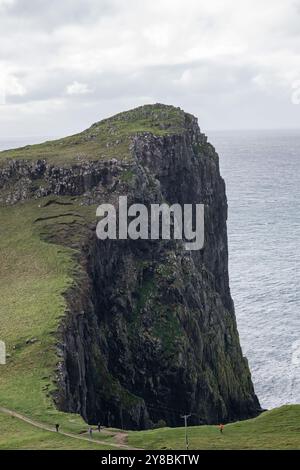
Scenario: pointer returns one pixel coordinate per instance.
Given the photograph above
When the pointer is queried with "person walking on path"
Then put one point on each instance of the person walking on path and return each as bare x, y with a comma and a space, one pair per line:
57, 427
91, 432
221, 427
99, 427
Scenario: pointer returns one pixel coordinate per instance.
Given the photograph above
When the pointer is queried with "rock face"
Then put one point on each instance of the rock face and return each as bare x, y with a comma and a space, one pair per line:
150, 331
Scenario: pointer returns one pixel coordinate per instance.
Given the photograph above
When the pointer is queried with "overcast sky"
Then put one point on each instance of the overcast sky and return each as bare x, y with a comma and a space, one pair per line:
65, 64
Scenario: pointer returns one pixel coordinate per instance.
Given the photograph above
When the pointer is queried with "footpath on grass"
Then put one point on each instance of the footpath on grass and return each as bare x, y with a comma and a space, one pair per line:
118, 436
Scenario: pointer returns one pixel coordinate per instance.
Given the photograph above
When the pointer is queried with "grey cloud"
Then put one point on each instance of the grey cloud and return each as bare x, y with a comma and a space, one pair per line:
55, 13
127, 52
205, 77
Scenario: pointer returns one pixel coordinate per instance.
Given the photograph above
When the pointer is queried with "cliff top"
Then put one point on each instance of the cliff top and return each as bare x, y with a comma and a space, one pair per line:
108, 138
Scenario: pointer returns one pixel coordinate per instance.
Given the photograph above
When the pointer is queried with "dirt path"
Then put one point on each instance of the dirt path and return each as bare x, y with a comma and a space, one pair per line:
120, 437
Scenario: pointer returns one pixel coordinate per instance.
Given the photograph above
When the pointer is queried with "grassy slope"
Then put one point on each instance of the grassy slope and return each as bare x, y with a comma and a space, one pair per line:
276, 429
16, 434
33, 277
106, 139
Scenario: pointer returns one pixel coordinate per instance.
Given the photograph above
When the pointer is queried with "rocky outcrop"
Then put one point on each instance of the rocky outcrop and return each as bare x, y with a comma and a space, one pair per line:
150, 331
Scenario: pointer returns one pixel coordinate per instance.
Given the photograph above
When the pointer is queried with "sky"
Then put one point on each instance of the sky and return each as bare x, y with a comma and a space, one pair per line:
65, 64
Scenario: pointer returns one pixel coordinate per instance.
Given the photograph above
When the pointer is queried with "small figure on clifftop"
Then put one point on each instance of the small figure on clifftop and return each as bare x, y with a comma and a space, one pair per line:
221, 427
57, 427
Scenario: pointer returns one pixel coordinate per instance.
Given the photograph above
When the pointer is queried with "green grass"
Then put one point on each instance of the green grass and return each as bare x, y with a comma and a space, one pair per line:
17, 435
110, 138
275, 429
278, 429
34, 275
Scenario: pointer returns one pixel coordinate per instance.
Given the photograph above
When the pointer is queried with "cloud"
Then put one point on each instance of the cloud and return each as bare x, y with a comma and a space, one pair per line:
77, 88
14, 87
224, 61
6, 3
10, 86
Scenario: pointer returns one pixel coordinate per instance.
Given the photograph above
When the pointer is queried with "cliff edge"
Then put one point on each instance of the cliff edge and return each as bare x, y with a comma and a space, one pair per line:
149, 330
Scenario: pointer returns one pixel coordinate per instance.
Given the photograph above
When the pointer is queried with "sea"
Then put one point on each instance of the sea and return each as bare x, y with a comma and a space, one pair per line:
261, 172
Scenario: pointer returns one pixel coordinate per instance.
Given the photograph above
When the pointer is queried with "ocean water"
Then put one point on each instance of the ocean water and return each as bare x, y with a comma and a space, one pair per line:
261, 171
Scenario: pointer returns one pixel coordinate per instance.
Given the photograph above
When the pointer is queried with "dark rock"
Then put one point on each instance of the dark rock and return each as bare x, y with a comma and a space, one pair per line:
150, 331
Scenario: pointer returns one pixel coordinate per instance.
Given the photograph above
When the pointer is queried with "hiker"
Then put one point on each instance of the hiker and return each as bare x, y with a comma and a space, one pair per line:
99, 427
221, 427
91, 432
57, 427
